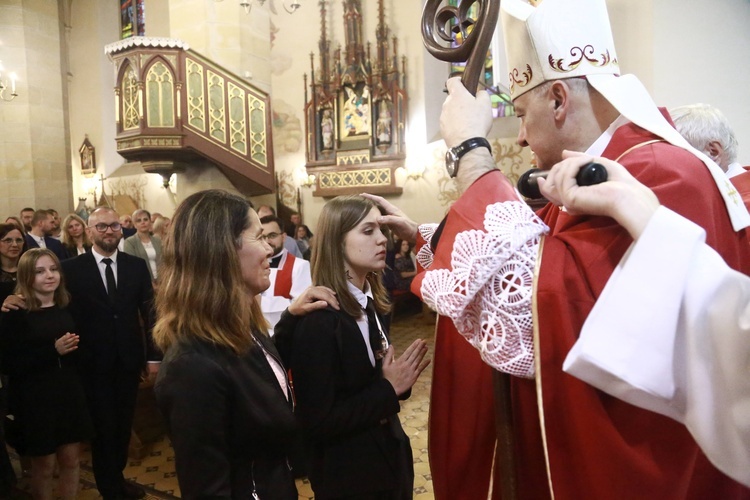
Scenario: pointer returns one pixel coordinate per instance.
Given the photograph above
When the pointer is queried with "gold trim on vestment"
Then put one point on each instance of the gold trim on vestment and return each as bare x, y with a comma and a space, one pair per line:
640, 145
537, 342
538, 362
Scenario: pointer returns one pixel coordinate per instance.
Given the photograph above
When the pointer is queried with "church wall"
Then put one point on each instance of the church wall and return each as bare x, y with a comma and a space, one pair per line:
703, 56
33, 145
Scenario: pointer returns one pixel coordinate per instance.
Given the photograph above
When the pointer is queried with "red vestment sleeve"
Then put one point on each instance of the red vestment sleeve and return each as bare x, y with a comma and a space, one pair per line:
462, 421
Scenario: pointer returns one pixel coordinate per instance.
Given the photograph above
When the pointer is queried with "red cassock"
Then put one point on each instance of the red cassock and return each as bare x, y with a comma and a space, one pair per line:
571, 438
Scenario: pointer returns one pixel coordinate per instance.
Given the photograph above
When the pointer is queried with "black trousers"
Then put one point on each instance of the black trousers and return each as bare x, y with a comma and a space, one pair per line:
111, 398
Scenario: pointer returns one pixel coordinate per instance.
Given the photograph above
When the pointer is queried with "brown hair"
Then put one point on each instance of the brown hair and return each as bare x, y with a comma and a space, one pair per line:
201, 293
27, 273
67, 239
338, 217
16, 222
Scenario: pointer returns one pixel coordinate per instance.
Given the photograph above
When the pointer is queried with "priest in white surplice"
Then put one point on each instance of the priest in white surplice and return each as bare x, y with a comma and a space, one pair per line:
290, 275
671, 330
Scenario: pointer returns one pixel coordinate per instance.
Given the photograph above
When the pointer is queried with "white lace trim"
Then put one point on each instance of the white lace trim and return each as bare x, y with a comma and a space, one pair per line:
488, 291
144, 41
425, 255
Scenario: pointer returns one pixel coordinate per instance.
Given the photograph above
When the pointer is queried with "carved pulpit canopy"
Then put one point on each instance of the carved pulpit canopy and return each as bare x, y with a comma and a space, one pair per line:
355, 112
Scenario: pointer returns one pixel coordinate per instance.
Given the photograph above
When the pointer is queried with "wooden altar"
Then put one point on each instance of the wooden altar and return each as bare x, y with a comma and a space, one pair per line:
355, 114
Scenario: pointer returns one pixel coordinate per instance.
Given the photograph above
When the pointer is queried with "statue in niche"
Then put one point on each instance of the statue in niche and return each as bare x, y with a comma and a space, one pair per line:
383, 125
326, 129
356, 112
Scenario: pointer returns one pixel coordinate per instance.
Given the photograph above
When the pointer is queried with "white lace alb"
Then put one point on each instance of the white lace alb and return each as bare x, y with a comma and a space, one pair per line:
488, 290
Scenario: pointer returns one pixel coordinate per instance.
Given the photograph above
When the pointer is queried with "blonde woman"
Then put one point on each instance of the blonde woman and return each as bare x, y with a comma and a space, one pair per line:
74, 237
161, 227
143, 244
46, 396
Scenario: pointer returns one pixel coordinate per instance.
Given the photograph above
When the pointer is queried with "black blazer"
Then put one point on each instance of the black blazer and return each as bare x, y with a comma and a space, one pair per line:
53, 244
348, 410
111, 334
228, 420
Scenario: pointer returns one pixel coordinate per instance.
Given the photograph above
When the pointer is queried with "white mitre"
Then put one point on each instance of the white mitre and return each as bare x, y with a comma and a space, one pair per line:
572, 38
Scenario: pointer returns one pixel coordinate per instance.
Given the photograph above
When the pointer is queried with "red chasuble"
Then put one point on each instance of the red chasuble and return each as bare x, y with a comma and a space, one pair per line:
592, 445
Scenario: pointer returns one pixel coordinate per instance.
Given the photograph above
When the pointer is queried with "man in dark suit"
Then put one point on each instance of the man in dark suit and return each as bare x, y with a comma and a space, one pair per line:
42, 225
111, 296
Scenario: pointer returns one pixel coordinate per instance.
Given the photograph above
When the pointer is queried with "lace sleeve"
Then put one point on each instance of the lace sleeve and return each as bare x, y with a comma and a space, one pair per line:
424, 254
488, 290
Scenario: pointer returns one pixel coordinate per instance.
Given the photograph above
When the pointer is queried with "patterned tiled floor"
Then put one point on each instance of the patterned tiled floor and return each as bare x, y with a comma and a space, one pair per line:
156, 472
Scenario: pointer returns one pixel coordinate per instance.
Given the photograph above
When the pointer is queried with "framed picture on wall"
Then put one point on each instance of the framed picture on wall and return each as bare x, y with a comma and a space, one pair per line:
88, 157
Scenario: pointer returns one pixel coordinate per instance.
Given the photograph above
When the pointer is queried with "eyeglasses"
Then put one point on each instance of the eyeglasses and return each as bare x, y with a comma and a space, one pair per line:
10, 241
270, 236
102, 227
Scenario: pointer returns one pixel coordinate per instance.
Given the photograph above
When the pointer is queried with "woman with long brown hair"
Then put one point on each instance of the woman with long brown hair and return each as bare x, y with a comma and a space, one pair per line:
348, 381
46, 394
221, 385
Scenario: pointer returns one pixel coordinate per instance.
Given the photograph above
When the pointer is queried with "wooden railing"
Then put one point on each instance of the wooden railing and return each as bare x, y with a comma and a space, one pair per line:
176, 107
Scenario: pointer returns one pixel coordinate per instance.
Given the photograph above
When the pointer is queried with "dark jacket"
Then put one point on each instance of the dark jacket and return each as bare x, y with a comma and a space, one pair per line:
348, 410
51, 243
72, 252
228, 420
112, 338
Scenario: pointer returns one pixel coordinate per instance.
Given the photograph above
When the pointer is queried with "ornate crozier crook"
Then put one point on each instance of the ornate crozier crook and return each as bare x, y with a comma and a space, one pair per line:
476, 35
436, 28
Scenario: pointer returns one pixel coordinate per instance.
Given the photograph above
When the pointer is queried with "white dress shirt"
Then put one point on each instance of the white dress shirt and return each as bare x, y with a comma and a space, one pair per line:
362, 322
103, 267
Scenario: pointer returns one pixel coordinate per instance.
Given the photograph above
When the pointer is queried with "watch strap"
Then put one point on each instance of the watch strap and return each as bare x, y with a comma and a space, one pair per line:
469, 144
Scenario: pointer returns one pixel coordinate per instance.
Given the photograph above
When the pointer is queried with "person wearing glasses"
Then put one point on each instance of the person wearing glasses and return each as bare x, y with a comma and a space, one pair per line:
11, 248
143, 244
290, 275
222, 387
111, 294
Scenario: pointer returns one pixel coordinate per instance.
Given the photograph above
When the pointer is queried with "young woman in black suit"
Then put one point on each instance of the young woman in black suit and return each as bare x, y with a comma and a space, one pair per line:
347, 379
221, 386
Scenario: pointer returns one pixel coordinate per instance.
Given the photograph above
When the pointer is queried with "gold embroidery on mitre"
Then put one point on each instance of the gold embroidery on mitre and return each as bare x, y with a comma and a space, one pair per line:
513, 78
580, 54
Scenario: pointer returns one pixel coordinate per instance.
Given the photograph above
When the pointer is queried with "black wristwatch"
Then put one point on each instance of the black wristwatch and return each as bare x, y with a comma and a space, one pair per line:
453, 155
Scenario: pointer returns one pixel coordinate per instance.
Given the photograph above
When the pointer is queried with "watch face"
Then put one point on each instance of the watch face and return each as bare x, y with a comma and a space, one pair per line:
451, 162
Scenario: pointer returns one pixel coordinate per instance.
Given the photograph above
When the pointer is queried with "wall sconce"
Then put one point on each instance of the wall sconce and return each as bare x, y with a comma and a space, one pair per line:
248, 5
4, 94
90, 186
303, 178
415, 170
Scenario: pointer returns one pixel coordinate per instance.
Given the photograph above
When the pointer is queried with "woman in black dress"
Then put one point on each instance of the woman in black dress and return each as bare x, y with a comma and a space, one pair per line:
46, 395
347, 379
